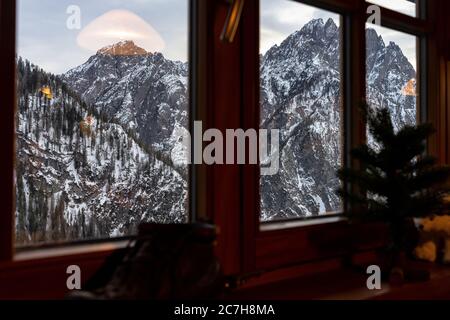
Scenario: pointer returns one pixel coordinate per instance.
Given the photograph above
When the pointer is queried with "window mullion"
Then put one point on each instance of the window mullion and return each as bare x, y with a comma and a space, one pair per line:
7, 83
354, 82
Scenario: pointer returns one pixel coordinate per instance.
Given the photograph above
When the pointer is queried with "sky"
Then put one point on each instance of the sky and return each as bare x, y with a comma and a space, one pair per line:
44, 38
404, 6
280, 18
155, 25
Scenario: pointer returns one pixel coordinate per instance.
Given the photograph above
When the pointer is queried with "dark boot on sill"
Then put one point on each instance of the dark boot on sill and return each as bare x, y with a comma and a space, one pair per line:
166, 262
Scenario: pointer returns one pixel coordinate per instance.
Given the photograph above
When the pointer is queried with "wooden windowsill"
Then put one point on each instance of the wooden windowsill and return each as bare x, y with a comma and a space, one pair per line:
42, 273
346, 284
70, 250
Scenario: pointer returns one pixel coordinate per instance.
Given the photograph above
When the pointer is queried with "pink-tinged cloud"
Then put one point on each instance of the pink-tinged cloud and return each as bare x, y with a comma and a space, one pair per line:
119, 25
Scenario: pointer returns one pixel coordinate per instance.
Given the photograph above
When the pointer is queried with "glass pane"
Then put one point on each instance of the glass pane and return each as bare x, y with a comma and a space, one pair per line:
391, 73
102, 104
408, 7
300, 96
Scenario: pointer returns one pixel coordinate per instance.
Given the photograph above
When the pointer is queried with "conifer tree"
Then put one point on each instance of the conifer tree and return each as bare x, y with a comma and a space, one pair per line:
400, 180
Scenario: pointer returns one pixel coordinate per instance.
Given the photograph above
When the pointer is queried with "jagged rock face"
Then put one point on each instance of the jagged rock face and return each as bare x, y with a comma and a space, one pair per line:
300, 94
123, 48
389, 73
147, 93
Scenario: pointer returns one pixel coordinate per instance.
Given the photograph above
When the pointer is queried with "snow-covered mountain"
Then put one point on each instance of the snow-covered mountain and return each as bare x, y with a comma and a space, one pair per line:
143, 91
80, 175
300, 94
95, 144
391, 79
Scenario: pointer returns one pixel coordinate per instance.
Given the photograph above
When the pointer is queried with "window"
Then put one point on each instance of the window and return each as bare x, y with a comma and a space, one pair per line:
233, 86
300, 83
286, 86
408, 7
391, 64
102, 104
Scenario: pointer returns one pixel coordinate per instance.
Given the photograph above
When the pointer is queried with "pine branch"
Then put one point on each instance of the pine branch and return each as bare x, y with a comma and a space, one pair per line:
420, 164
366, 155
403, 183
366, 180
380, 126
429, 178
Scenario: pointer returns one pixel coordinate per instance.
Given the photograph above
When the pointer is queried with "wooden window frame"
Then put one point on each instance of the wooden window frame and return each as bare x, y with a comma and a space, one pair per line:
267, 250
244, 247
8, 85
8, 252
226, 95
41, 273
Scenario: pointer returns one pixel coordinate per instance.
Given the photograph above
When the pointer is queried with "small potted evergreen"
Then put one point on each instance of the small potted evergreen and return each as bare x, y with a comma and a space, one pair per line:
396, 182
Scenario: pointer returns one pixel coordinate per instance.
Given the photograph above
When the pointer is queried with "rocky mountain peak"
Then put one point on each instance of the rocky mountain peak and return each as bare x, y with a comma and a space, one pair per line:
330, 26
374, 42
314, 23
123, 48
318, 28
394, 47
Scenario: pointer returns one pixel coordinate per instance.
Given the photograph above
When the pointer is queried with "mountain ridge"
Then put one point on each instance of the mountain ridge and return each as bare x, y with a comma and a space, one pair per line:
123, 48
300, 93
142, 101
